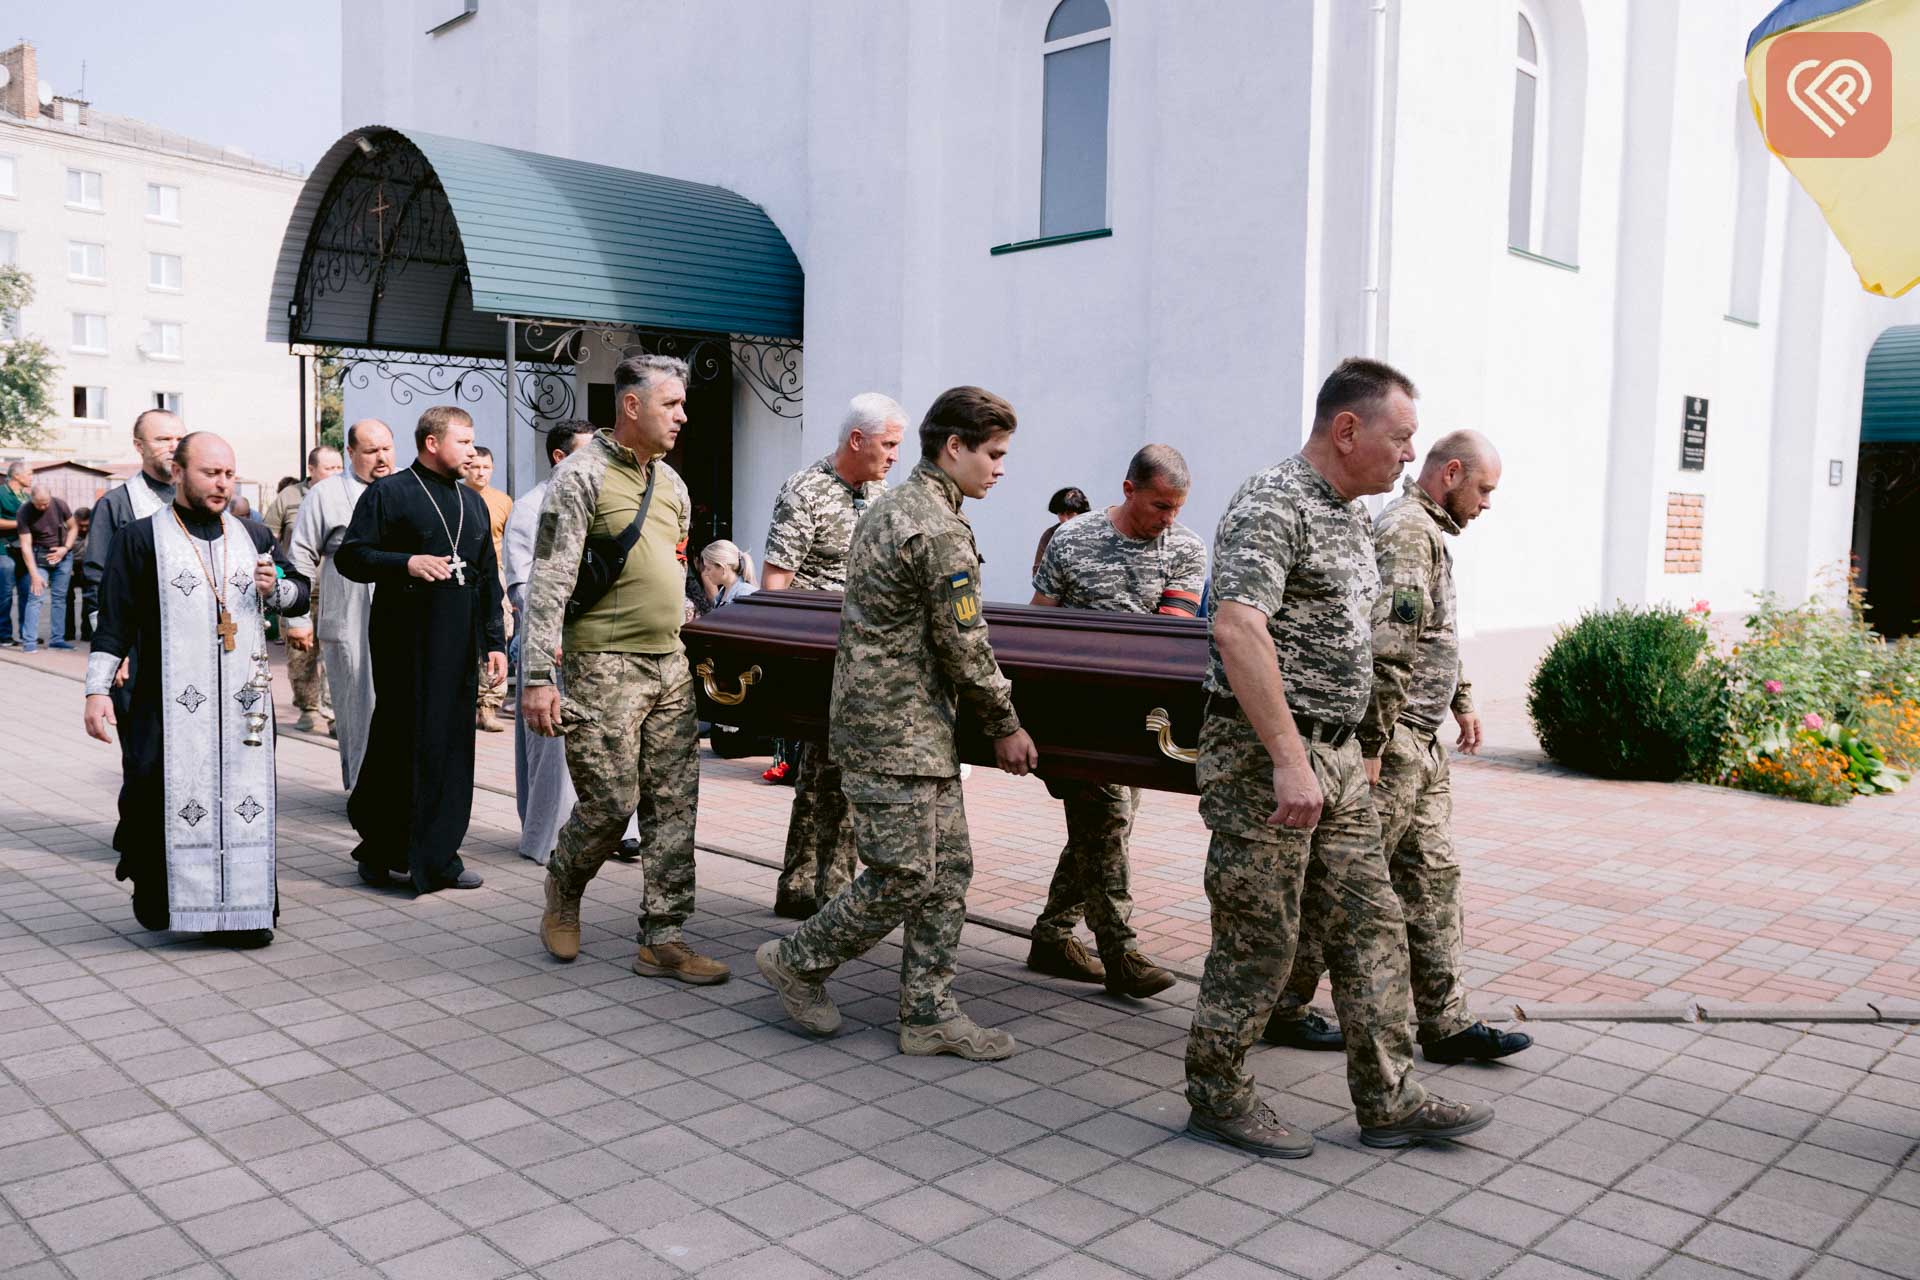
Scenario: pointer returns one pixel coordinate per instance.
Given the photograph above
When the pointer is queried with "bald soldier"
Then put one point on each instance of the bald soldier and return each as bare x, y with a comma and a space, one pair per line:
1417, 679
1283, 786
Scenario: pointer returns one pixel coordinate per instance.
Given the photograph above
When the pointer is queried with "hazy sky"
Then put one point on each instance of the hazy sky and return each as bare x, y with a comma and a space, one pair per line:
261, 75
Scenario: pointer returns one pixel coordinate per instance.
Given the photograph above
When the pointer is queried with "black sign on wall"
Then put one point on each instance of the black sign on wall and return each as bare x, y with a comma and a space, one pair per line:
1693, 435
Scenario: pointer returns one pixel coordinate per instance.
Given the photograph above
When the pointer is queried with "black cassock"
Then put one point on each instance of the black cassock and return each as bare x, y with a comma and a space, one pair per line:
129, 600
414, 796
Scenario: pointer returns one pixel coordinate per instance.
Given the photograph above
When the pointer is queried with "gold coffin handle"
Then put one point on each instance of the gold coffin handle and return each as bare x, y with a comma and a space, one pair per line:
1159, 722
747, 679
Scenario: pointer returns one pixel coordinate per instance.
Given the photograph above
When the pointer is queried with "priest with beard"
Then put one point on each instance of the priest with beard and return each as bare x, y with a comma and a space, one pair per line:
338, 619
424, 541
182, 612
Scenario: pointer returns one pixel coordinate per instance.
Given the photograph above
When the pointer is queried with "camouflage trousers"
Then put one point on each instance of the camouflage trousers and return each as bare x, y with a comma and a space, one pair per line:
1092, 876
306, 671
820, 860
1255, 878
911, 833
631, 733
1415, 803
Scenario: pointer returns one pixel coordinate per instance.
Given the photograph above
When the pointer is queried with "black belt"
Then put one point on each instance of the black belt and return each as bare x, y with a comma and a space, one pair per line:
1325, 732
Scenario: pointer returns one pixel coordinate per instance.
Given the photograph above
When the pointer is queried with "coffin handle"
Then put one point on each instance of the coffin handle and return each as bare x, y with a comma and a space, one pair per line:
747, 678
1159, 722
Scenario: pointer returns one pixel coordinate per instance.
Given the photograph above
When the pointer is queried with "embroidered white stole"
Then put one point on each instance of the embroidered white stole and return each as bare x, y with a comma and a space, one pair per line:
141, 497
219, 791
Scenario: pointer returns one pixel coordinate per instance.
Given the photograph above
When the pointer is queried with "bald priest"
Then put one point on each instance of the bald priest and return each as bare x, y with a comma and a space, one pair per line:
183, 606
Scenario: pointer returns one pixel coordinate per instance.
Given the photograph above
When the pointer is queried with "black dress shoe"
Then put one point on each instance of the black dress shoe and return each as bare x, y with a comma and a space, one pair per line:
241, 939
629, 851
1310, 1031
378, 877
793, 906
1478, 1043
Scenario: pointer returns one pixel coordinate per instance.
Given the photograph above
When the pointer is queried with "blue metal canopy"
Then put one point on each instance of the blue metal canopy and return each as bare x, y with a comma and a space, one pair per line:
407, 241
1890, 403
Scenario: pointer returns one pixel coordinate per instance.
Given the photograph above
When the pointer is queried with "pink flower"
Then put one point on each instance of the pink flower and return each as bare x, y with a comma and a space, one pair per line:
1773, 686
1701, 606
1813, 720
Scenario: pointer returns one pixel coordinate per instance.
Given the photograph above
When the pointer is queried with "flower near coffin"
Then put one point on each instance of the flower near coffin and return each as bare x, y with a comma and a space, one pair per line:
1812, 720
1773, 686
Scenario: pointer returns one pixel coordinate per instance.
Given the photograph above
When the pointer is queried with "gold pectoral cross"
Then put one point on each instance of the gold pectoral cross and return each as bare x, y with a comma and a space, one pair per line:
225, 630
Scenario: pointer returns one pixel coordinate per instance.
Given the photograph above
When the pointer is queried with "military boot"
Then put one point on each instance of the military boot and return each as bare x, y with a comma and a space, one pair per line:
1065, 959
805, 1001
1478, 1043
1131, 974
678, 960
1308, 1031
1260, 1131
960, 1036
1436, 1118
560, 925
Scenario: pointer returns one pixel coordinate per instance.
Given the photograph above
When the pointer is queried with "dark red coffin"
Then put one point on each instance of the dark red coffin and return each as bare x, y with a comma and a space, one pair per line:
1108, 697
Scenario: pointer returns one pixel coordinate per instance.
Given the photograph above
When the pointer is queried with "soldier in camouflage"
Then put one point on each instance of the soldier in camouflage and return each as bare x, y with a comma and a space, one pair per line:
1417, 679
1131, 558
913, 649
1282, 784
628, 710
813, 518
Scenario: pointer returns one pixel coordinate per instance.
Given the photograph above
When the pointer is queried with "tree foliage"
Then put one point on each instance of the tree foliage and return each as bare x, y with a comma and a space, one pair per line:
27, 371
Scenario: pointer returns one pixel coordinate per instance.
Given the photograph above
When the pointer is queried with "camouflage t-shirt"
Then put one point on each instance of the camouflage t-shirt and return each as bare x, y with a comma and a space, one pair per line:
813, 518
1089, 564
1416, 639
1293, 548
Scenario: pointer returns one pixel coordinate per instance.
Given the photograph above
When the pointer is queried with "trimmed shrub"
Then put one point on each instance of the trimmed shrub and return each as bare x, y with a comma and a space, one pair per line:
1631, 693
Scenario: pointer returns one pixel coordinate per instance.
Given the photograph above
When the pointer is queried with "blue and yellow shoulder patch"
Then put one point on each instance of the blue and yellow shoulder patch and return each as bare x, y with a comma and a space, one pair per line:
963, 596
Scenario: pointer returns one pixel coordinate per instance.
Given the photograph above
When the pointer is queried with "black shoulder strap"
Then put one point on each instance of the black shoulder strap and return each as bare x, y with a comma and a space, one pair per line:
632, 533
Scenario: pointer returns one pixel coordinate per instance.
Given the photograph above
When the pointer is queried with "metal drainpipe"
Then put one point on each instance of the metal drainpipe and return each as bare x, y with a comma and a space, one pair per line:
512, 333
1376, 171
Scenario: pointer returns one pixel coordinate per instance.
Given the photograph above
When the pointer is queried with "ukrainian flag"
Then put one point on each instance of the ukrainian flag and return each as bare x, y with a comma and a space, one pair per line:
1872, 203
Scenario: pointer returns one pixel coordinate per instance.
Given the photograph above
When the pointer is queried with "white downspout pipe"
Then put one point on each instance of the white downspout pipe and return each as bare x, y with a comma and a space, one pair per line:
1376, 173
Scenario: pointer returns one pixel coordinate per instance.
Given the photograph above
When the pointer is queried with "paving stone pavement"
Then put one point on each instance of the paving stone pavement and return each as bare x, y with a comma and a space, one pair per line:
409, 1088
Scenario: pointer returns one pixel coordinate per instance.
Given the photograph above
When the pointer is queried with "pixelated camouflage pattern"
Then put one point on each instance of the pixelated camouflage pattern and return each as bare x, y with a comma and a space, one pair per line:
567, 516
1415, 802
913, 643
1293, 548
812, 528
1092, 877
1416, 643
820, 859
1089, 564
918, 861
631, 736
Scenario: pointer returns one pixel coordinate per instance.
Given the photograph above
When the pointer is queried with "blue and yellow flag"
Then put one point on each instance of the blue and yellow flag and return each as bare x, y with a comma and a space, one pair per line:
1835, 85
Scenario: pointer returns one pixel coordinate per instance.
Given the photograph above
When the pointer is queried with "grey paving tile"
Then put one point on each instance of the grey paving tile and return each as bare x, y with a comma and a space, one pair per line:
310, 1256
1306, 1251
1453, 1252
775, 1210
52, 1192
347, 1196
71, 1230
1643, 1219
207, 1193
1608, 1253
701, 1239
493, 1199
635, 1206
397, 1229
995, 1185
134, 1257
1748, 1252
244, 1226
546, 1234
621, 1258
1001, 1248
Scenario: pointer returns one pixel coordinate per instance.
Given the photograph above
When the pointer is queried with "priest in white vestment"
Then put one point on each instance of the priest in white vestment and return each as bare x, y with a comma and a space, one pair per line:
184, 597
341, 627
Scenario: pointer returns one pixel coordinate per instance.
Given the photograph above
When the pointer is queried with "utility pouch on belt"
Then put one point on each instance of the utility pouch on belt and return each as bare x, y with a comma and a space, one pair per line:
604, 558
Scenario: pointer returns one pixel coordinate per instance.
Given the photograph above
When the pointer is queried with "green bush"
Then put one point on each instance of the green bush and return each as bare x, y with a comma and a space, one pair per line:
1631, 693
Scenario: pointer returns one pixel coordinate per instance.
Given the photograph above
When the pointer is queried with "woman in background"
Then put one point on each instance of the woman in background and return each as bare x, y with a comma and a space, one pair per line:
1065, 504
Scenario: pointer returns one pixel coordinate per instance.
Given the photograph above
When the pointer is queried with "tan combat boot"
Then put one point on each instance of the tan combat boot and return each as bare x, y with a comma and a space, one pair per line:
678, 960
487, 721
560, 925
1069, 959
962, 1037
1132, 974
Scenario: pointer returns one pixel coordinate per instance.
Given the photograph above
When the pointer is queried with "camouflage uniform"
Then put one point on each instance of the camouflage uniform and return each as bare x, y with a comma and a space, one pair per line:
913, 646
1417, 679
1089, 564
628, 716
813, 518
1290, 547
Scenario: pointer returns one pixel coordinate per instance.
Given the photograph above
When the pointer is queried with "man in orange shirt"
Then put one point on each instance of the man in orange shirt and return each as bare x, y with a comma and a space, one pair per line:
479, 476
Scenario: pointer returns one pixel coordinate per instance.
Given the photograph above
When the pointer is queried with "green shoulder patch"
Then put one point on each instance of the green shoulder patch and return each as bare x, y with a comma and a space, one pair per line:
1406, 605
548, 532
963, 597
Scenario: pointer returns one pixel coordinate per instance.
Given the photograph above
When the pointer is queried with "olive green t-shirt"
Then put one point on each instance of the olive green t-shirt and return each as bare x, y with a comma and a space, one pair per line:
643, 611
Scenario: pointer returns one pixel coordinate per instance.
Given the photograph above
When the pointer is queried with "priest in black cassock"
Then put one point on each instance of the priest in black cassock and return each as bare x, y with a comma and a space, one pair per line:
183, 603
425, 541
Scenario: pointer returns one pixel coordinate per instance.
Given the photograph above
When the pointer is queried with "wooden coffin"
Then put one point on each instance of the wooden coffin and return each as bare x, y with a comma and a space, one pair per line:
1108, 697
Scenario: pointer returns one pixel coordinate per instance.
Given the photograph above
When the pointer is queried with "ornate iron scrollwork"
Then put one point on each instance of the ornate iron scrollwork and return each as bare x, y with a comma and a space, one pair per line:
770, 367
543, 391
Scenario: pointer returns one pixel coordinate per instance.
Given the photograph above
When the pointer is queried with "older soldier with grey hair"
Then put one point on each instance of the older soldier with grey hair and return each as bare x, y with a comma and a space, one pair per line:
1134, 557
628, 718
1417, 679
813, 518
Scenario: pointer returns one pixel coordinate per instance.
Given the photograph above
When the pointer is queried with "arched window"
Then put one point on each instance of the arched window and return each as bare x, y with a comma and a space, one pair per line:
1527, 178
1076, 57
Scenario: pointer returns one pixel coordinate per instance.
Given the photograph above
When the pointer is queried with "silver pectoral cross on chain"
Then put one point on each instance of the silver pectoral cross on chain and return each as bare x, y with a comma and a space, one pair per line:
459, 568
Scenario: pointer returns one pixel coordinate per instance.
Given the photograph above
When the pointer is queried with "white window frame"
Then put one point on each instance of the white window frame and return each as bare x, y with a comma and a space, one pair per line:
154, 340
99, 204
99, 405
83, 275
154, 260
1040, 114
168, 402
11, 256
81, 340
153, 190
1541, 69
9, 177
